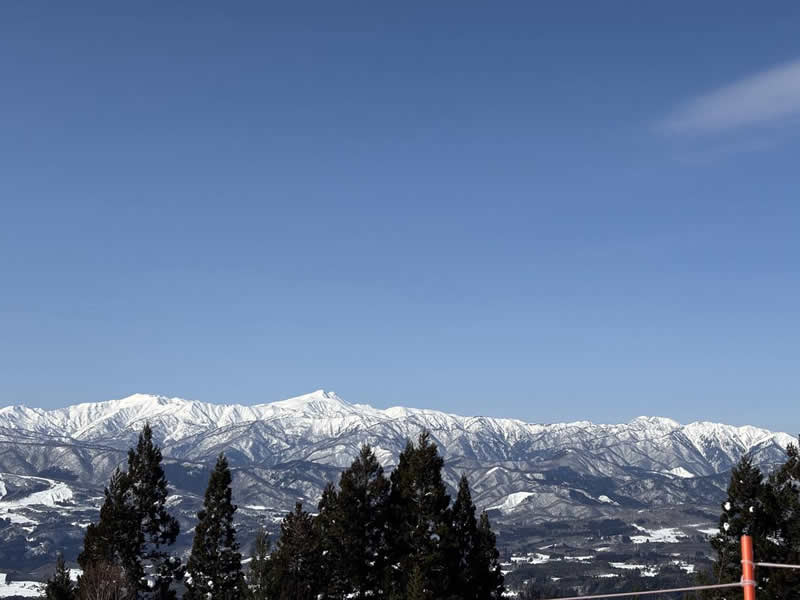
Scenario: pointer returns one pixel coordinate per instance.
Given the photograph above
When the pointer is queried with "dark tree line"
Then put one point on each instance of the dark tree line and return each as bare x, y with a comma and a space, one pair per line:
373, 537
385, 538
766, 507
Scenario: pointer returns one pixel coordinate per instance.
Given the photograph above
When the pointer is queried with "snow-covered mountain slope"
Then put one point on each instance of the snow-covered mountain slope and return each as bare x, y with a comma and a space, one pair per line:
54, 464
321, 427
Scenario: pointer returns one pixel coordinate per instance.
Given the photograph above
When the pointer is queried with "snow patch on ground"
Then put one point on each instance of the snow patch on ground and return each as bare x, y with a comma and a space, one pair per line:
680, 472
59, 492
667, 535
56, 494
684, 566
15, 518
534, 558
709, 531
27, 589
511, 501
604, 499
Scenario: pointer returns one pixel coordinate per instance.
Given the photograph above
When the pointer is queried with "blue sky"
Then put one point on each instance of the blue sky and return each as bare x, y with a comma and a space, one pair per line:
551, 213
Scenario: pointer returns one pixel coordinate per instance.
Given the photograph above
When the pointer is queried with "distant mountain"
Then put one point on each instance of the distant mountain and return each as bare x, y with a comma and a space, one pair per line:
56, 462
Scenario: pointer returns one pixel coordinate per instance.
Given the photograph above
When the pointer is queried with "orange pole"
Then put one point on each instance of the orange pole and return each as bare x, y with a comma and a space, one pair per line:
748, 569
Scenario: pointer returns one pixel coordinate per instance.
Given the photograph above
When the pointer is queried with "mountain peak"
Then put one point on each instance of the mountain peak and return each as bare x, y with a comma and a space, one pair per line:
317, 403
658, 422
139, 398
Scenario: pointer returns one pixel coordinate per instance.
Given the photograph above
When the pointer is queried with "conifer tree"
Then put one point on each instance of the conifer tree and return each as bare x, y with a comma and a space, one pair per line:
356, 537
418, 588
113, 540
471, 551
486, 566
157, 528
135, 529
783, 501
742, 513
768, 511
461, 544
418, 517
259, 578
60, 586
215, 564
328, 528
297, 558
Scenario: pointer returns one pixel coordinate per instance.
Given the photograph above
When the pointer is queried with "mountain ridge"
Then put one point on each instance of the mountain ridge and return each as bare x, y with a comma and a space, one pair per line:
321, 427
322, 398
287, 451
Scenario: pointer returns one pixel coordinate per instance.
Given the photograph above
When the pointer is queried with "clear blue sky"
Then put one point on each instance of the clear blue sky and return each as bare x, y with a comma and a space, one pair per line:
589, 211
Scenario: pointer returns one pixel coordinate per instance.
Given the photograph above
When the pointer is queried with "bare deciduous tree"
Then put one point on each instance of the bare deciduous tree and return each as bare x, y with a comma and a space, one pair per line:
104, 581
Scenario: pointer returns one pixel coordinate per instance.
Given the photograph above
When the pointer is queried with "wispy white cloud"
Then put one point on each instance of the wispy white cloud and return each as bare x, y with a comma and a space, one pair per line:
765, 97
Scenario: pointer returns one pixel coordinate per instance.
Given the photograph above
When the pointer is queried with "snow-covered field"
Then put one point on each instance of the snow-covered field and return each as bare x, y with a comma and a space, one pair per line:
531, 559
57, 494
28, 589
667, 535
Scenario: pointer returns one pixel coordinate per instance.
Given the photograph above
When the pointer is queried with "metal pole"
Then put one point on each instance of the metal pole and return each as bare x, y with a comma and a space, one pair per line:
748, 568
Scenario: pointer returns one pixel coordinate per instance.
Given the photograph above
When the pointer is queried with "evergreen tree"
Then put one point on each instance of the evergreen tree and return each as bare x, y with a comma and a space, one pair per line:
259, 578
418, 588
135, 528
418, 518
768, 511
113, 540
59, 586
783, 502
329, 531
488, 578
215, 564
157, 528
461, 544
297, 558
354, 522
742, 513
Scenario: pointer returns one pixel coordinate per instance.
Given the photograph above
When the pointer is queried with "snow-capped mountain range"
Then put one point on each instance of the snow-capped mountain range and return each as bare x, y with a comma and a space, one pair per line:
321, 427
288, 450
